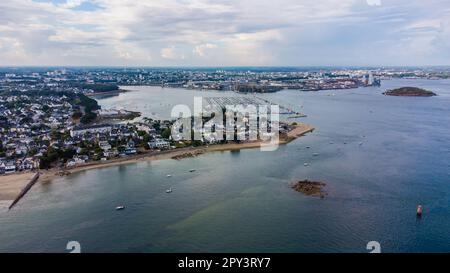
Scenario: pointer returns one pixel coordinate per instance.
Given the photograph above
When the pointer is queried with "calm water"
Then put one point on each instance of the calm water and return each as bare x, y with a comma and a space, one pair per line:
241, 201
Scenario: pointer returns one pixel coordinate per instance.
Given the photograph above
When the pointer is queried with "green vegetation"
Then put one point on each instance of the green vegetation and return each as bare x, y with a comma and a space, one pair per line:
88, 103
54, 155
409, 92
2, 150
99, 87
88, 117
166, 132
77, 115
89, 106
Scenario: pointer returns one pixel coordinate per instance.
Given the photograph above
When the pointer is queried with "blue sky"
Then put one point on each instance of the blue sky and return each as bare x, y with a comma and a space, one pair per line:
224, 33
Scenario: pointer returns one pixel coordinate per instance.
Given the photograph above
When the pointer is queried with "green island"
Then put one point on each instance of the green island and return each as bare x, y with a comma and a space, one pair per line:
409, 92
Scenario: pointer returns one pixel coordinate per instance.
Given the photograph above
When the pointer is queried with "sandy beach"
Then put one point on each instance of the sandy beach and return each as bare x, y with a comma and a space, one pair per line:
11, 185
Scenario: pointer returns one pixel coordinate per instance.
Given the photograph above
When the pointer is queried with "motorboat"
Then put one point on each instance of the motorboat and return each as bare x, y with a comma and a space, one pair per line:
419, 211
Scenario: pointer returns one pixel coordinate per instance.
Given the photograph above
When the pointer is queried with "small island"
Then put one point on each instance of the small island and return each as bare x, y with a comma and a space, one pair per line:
310, 188
409, 92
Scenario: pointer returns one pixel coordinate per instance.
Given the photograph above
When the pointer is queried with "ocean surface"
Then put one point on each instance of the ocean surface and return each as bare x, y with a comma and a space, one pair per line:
380, 157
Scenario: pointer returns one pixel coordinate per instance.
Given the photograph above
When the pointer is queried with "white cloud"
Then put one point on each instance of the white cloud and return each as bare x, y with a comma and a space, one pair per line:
201, 50
215, 32
374, 2
171, 53
71, 4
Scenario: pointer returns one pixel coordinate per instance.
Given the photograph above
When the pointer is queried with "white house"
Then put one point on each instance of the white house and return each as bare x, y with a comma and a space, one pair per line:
159, 144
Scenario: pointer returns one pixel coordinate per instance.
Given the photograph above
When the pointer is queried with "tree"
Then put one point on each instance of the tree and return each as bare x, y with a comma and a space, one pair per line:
77, 115
45, 108
33, 151
166, 132
197, 143
2, 150
98, 150
88, 117
147, 138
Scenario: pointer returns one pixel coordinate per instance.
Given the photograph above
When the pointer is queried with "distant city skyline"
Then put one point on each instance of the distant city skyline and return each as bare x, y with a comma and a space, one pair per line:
224, 33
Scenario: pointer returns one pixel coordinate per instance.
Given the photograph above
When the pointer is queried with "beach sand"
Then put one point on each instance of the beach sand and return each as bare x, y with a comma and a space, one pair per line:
11, 185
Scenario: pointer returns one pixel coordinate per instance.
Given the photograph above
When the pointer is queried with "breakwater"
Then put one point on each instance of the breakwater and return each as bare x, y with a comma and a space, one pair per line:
24, 191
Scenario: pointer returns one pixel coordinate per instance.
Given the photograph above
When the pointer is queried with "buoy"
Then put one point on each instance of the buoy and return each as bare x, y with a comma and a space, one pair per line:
419, 211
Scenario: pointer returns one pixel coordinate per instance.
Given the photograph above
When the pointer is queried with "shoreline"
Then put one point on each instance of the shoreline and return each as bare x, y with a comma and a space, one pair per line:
16, 182
12, 184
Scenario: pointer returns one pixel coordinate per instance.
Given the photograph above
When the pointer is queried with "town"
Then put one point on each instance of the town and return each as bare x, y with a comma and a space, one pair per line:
49, 129
49, 117
106, 80
42, 130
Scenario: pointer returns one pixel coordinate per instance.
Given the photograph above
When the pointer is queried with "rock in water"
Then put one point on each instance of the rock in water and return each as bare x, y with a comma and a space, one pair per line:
310, 188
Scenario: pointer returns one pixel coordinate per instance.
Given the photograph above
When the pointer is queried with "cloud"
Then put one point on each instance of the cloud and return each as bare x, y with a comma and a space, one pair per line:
171, 53
71, 4
374, 2
228, 32
201, 50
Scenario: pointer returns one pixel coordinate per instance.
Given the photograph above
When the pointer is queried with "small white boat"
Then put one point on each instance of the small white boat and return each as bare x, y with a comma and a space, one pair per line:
120, 207
169, 175
306, 164
419, 211
169, 190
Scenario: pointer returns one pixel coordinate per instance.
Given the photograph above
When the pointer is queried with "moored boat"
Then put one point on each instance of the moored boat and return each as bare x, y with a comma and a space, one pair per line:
419, 211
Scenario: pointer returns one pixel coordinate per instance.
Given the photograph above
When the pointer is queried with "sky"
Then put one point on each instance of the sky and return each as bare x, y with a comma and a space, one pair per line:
224, 32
